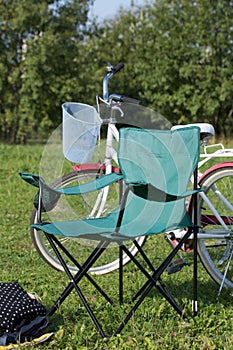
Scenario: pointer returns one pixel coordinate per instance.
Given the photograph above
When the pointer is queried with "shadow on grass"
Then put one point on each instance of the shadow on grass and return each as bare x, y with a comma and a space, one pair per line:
55, 322
72, 313
207, 289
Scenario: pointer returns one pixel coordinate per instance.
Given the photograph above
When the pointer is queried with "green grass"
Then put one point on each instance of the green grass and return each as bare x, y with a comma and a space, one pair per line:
154, 326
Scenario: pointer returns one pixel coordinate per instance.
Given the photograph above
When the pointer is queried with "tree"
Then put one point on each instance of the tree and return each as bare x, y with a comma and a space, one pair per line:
39, 55
178, 58
177, 54
188, 49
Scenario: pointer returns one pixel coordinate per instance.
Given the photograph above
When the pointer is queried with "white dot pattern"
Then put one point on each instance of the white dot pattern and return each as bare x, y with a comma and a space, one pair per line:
16, 307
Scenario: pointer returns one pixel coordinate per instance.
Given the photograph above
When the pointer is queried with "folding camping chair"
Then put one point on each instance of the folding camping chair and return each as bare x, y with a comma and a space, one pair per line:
156, 167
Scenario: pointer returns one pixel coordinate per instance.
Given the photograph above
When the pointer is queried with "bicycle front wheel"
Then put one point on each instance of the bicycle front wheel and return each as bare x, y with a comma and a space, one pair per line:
79, 207
215, 239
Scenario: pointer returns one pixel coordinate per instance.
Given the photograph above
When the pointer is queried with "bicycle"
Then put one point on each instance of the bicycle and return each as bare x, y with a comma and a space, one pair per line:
215, 245
93, 205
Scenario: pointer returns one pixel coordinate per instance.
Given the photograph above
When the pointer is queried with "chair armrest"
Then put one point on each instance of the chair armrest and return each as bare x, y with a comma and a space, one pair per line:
47, 197
91, 186
30, 178
191, 192
152, 193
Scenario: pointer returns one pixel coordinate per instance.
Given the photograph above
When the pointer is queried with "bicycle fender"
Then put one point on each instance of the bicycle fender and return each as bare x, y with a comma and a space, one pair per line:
88, 166
93, 166
213, 168
205, 174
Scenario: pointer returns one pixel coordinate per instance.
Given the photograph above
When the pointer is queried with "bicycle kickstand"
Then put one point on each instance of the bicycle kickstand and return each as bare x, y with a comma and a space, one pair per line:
225, 272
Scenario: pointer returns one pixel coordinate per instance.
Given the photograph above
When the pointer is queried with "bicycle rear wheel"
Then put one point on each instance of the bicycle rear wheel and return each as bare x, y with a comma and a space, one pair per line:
79, 207
215, 240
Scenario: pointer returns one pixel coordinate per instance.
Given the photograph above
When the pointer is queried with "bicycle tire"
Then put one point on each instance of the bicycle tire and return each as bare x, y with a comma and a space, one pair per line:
39, 240
211, 251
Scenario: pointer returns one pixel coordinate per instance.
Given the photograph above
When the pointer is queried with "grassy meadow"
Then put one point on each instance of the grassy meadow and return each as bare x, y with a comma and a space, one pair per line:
154, 326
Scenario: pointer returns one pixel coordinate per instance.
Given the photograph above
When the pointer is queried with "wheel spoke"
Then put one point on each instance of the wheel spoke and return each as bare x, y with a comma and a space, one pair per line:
80, 207
216, 221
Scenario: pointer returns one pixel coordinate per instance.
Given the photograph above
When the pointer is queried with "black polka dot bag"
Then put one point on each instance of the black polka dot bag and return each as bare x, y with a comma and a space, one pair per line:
21, 316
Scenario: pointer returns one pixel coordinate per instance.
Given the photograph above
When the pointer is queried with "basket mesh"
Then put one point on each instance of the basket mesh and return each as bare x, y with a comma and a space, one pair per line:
81, 126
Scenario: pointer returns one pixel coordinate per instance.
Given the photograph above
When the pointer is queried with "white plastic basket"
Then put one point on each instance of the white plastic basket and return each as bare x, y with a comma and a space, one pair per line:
81, 126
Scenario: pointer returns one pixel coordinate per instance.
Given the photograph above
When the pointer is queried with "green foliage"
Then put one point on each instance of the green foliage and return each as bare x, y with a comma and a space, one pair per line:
178, 58
39, 62
187, 47
177, 54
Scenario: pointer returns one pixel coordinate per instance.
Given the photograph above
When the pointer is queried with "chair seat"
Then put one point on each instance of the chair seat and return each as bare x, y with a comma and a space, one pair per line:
132, 226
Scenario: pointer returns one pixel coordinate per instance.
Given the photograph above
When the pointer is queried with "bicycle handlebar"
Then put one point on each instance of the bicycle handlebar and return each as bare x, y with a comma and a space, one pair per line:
118, 67
111, 71
122, 98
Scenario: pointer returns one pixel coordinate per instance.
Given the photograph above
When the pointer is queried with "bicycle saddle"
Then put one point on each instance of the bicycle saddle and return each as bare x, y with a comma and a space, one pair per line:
206, 130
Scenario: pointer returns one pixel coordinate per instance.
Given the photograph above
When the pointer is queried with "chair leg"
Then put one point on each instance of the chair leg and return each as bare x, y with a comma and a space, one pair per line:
169, 297
195, 221
82, 270
134, 309
154, 280
75, 279
120, 274
194, 306
158, 272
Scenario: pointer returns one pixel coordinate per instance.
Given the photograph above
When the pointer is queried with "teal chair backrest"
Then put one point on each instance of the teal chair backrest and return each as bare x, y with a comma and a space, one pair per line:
165, 159
163, 163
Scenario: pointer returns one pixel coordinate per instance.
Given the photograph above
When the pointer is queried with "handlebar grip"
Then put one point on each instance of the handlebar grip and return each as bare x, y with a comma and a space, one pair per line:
118, 67
130, 100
